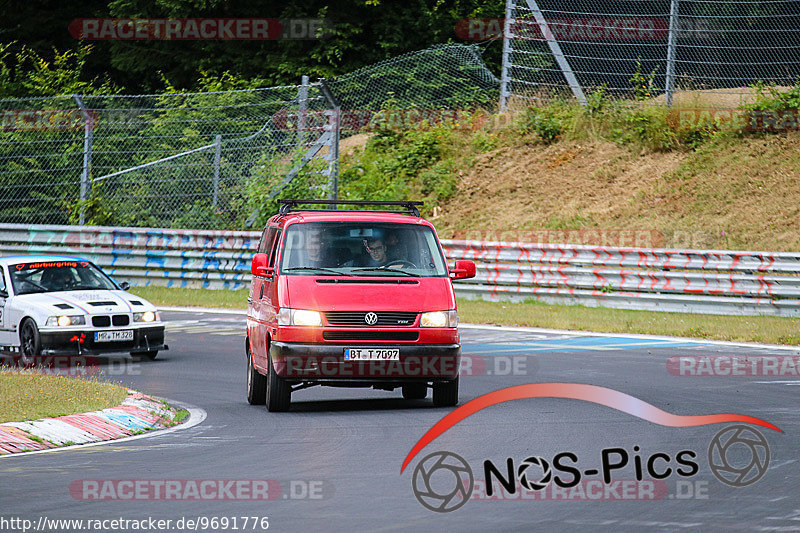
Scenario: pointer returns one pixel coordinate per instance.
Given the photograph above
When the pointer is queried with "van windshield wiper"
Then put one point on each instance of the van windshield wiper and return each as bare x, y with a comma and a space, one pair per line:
386, 269
319, 269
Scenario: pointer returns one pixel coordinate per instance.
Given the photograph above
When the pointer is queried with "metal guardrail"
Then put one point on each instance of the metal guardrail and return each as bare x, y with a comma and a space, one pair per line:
698, 281
145, 256
695, 281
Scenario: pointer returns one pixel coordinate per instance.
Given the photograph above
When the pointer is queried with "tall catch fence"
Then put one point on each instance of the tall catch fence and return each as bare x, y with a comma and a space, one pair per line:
210, 160
648, 48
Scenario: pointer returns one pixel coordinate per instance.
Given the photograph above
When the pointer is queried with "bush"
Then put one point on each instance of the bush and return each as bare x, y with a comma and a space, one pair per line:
646, 127
772, 98
547, 122
400, 165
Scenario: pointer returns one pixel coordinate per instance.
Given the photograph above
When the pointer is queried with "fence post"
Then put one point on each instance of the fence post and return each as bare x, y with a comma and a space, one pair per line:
505, 75
302, 100
217, 154
333, 153
88, 129
334, 163
555, 49
672, 51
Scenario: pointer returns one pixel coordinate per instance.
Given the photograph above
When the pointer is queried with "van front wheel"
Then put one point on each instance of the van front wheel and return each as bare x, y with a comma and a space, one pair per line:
279, 393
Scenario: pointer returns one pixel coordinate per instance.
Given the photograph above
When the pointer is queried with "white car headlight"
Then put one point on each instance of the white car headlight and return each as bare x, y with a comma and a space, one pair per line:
147, 316
439, 319
299, 317
65, 320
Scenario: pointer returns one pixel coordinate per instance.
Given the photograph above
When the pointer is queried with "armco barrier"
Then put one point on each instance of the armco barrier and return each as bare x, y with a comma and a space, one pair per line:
699, 281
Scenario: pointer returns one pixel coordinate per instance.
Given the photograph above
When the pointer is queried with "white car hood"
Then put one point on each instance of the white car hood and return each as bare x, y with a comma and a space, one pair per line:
87, 301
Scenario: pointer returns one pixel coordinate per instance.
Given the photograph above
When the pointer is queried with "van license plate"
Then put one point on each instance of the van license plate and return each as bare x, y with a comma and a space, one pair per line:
111, 336
371, 354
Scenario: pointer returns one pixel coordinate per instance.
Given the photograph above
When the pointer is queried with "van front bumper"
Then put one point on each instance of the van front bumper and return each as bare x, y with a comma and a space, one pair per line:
325, 362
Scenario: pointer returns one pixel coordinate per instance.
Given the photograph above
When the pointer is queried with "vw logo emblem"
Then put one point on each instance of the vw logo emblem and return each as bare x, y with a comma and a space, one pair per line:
371, 318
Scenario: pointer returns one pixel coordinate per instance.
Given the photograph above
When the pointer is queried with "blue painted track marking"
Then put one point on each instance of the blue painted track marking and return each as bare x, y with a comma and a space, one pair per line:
580, 344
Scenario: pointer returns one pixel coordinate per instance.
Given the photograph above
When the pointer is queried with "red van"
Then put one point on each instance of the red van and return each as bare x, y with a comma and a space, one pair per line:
352, 298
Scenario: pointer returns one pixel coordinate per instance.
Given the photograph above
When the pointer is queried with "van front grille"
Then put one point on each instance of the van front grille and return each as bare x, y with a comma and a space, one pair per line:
333, 335
358, 318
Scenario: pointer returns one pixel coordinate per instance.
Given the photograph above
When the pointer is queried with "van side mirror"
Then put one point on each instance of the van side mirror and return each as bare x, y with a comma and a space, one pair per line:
463, 269
124, 285
259, 266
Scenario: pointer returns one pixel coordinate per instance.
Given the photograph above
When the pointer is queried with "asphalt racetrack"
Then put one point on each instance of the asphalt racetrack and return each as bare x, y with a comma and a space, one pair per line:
333, 462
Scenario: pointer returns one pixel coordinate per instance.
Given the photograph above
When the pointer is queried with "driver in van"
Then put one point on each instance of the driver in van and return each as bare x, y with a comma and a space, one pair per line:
377, 250
385, 249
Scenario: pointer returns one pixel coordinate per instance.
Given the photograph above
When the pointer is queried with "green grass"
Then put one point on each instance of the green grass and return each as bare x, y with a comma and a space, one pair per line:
764, 329
179, 297
30, 395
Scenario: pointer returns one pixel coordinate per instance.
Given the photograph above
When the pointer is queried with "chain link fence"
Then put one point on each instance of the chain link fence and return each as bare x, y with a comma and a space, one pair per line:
661, 49
209, 160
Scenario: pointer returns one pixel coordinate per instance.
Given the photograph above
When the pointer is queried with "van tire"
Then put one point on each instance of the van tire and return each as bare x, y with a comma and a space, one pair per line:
445, 393
279, 393
415, 391
256, 383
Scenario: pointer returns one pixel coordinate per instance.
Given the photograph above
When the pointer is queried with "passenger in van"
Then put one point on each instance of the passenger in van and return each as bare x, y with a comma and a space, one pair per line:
314, 255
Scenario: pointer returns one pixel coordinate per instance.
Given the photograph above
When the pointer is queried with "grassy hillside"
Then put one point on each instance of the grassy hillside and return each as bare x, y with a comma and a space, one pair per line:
732, 193
602, 168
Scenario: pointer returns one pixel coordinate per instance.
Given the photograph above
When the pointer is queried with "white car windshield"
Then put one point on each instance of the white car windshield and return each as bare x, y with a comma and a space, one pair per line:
361, 249
53, 276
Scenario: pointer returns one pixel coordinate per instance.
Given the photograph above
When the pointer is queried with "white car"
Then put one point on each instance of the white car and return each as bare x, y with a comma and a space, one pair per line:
57, 305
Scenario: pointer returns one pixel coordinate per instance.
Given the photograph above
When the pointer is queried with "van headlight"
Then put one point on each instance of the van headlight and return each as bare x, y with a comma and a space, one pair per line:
299, 317
147, 316
439, 319
65, 320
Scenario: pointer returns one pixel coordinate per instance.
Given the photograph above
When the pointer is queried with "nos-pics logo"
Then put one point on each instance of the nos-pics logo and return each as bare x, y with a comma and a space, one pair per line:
443, 481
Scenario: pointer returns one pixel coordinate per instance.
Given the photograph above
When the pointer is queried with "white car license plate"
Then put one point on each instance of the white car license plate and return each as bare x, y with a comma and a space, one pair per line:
371, 354
111, 336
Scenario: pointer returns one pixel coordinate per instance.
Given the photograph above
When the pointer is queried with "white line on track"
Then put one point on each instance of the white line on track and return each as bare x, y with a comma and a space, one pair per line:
543, 330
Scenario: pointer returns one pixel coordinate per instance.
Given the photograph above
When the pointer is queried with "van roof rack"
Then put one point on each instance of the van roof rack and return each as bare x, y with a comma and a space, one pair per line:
292, 205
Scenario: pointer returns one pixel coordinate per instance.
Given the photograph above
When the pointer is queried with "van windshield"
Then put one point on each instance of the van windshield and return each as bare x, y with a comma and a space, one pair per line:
361, 249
